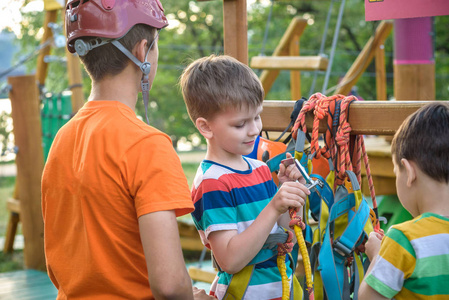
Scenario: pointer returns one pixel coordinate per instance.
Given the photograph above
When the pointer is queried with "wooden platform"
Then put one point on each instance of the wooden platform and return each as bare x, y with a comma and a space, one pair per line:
26, 285
35, 285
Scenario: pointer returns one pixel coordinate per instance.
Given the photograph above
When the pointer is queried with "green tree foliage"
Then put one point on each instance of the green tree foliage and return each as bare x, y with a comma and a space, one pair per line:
196, 30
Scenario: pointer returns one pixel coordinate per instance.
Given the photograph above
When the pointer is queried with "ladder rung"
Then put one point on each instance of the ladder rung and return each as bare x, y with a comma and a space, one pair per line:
295, 63
13, 205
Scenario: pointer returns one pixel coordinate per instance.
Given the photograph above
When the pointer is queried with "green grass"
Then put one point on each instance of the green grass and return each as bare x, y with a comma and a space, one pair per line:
7, 185
11, 262
14, 261
190, 171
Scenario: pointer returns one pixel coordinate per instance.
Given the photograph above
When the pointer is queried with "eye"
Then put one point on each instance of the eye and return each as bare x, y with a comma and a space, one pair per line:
257, 117
240, 125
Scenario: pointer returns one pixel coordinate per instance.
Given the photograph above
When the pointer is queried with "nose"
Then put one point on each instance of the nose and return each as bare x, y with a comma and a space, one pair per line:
255, 128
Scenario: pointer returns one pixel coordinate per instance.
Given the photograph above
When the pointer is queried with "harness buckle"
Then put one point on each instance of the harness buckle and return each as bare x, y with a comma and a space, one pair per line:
341, 249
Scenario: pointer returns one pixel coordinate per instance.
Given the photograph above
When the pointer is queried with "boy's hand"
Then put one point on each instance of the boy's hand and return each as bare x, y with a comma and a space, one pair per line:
372, 246
290, 194
288, 171
200, 294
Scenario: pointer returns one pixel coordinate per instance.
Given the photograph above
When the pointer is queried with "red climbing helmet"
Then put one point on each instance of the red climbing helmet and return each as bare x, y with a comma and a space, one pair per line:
110, 18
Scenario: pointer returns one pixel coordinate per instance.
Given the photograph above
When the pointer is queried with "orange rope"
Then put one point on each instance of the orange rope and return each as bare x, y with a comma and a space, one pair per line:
309, 105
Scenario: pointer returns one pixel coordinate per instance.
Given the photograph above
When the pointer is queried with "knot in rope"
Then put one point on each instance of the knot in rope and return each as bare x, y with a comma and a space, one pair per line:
343, 134
287, 247
321, 110
296, 220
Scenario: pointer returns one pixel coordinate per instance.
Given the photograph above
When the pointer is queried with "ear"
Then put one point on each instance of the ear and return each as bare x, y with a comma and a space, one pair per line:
410, 170
139, 50
204, 128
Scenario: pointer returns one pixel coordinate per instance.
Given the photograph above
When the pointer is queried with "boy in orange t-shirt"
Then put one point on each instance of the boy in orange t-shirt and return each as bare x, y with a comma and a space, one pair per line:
113, 186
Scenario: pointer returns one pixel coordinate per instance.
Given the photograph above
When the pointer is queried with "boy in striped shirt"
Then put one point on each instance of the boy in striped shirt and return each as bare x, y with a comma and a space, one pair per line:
412, 260
237, 204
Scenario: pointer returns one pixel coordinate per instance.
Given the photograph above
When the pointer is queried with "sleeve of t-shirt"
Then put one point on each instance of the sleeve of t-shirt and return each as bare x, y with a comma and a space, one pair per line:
155, 177
394, 264
214, 207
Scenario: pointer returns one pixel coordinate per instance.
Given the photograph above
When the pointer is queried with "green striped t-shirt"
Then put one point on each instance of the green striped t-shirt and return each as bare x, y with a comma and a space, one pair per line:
413, 261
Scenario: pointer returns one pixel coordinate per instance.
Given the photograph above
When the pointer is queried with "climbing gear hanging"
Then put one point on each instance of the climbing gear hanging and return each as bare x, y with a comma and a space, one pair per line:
337, 203
281, 241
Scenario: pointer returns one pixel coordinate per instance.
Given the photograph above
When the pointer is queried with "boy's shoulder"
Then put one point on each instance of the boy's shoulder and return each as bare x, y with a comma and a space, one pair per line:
210, 170
423, 225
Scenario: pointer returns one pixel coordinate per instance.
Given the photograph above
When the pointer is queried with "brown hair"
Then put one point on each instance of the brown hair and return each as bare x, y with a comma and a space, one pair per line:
424, 139
108, 60
212, 84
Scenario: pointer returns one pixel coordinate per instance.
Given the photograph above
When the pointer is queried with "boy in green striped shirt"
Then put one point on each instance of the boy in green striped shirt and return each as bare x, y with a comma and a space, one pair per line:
412, 260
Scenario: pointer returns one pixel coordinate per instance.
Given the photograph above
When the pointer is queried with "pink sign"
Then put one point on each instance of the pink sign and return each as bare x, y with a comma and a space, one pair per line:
399, 9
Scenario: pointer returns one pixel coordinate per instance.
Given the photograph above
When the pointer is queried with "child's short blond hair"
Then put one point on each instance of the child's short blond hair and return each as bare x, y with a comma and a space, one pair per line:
424, 139
212, 84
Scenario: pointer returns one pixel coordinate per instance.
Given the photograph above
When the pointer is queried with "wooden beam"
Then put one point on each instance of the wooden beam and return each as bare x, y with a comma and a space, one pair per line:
198, 274
299, 63
11, 231
30, 162
235, 29
381, 74
295, 76
365, 117
365, 57
13, 205
414, 81
75, 76
296, 28
75, 80
42, 67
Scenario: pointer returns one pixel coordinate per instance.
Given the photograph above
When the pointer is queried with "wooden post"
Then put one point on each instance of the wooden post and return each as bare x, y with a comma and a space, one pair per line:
75, 77
364, 59
30, 162
42, 67
414, 65
381, 74
295, 76
235, 29
296, 28
75, 80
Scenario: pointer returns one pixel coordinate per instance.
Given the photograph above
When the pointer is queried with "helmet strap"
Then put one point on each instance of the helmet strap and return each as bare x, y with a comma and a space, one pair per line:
145, 67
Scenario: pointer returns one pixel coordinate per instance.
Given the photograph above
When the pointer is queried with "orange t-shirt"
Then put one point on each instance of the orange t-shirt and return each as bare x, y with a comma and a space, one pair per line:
106, 168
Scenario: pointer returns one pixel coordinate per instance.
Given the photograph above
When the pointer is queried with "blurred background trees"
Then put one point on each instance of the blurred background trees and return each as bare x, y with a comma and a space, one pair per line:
196, 30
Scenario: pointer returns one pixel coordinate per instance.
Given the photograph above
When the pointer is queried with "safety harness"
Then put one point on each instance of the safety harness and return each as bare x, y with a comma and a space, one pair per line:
281, 241
344, 218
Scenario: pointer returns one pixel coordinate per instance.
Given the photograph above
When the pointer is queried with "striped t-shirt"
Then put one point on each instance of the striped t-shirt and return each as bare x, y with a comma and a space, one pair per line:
413, 261
228, 199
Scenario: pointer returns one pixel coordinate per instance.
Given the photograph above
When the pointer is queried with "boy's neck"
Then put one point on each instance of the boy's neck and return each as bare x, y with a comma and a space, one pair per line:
232, 161
435, 198
122, 88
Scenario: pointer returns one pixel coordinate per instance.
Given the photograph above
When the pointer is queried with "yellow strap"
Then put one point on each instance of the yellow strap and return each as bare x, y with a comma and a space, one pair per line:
239, 283
297, 289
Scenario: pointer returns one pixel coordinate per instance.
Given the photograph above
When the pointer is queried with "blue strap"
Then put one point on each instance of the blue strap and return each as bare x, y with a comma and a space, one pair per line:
332, 256
322, 191
355, 227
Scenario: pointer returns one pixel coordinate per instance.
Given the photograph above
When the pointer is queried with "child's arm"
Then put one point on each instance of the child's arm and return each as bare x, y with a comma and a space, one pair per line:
368, 293
161, 244
289, 172
234, 251
372, 248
